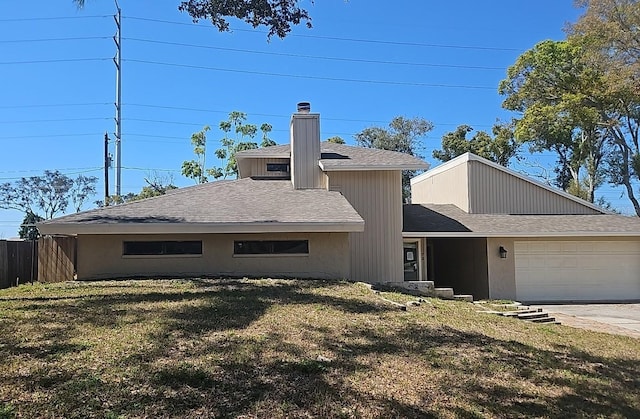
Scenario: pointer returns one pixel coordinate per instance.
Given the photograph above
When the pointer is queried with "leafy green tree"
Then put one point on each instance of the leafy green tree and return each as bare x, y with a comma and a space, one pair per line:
237, 136
609, 33
28, 230
155, 186
266, 140
561, 104
195, 169
404, 135
278, 16
500, 149
336, 140
49, 194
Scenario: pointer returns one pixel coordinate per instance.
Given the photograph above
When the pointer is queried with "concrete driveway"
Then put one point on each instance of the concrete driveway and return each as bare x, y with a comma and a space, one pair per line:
621, 319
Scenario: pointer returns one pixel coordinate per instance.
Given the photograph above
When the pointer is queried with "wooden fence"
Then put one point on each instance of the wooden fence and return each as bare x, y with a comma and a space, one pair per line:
56, 259
49, 259
18, 262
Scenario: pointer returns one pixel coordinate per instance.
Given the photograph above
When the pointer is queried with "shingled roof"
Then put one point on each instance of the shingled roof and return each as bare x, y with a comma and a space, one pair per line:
342, 157
450, 221
244, 205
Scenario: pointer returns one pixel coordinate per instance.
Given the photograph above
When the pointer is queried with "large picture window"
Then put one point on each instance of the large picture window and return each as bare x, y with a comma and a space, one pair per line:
161, 248
271, 247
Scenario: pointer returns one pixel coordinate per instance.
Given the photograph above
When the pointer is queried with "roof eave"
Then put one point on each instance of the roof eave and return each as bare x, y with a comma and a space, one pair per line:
369, 167
203, 228
262, 154
549, 234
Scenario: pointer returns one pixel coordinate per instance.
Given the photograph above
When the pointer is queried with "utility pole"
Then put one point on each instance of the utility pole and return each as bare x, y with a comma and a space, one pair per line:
118, 62
107, 164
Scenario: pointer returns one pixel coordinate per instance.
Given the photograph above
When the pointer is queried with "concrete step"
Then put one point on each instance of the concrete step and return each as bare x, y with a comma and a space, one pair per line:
545, 320
518, 313
446, 293
525, 313
532, 316
463, 297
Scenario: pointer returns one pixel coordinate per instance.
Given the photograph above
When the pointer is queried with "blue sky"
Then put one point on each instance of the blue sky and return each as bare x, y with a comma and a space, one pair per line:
363, 63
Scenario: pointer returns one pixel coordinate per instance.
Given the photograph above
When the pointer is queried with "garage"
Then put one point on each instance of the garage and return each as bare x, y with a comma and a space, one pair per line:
579, 270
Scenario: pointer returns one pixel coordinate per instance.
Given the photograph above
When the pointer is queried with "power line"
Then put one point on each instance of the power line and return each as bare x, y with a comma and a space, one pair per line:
252, 113
298, 76
49, 136
182, 108
159, 121
42, 170
33, 19
79, 38
55, 105
68, 173
317, 57
370, 121
324, 118
55, 120
413, 44
63, 60
335, 38
148, 168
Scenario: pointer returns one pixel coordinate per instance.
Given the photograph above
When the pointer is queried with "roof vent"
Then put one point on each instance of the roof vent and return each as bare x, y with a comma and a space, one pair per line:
304, 107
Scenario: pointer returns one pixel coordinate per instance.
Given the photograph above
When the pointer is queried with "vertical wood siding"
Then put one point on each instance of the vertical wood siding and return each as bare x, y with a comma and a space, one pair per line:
496, 192
305, 151
376, 253
448, 187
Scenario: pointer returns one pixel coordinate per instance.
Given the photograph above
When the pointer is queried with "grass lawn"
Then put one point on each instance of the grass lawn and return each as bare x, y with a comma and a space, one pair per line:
276, 348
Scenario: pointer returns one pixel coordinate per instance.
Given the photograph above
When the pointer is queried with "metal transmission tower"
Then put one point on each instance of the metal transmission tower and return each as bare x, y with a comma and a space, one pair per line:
118, 62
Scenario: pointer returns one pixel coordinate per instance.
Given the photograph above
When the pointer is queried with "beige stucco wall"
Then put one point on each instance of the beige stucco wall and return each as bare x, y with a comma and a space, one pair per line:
448, 187
493, 191
376, 253
100, 256
502, 272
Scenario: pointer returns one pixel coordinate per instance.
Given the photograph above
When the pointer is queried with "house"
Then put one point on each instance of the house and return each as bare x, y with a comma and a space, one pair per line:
305, 209
313, 209
489, 231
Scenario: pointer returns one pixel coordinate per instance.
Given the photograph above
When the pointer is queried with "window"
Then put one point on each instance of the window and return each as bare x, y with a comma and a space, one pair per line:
278, 167
155, 248
271, 247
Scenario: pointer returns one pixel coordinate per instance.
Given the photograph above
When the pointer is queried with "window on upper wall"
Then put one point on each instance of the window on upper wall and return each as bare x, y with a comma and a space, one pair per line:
161, 248
278, 167
271, 247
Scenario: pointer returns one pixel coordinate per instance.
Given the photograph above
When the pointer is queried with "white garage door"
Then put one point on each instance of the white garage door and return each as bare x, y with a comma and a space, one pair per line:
577, 270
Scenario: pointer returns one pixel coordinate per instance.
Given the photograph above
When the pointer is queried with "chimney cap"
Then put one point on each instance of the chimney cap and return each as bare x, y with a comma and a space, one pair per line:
304, 107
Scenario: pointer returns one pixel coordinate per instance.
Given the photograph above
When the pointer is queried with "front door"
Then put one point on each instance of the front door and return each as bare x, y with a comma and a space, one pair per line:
411, 261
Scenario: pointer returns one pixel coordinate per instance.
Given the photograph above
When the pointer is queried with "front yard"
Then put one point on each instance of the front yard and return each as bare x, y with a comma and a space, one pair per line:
276, 348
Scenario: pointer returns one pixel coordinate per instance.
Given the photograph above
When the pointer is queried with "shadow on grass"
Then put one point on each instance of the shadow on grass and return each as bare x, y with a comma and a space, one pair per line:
199, 363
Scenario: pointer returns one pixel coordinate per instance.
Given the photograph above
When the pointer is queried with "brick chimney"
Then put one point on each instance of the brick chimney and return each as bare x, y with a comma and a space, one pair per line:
305, 148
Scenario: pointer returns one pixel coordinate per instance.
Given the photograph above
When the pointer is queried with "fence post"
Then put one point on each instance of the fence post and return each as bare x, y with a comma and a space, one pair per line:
4, 265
